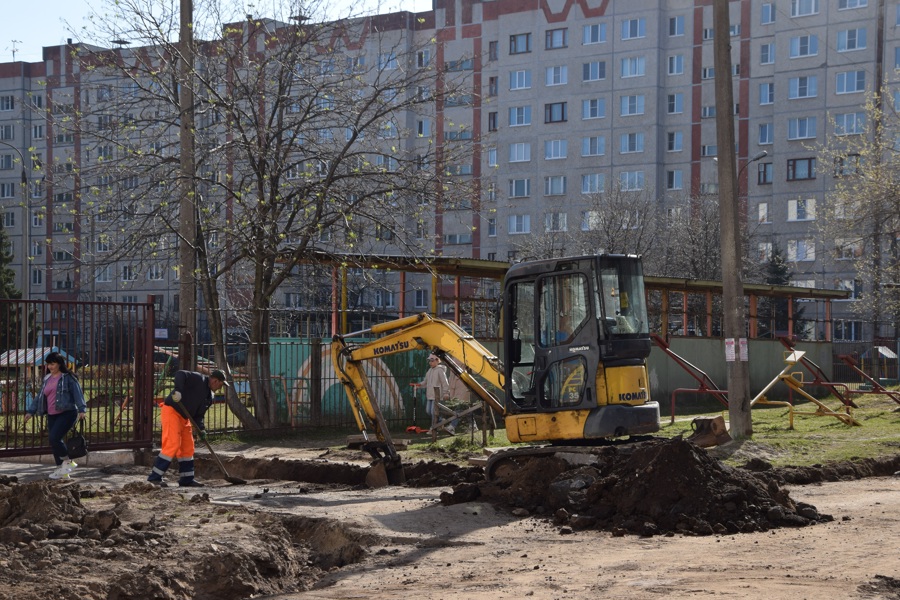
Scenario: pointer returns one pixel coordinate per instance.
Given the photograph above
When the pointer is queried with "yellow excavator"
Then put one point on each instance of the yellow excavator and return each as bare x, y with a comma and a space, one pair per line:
575, 341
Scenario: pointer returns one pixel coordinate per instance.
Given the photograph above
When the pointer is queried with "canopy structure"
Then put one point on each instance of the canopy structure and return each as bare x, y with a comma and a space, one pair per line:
30, 357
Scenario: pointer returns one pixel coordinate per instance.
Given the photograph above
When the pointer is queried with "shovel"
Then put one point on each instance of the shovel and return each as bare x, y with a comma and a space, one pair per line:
228, 478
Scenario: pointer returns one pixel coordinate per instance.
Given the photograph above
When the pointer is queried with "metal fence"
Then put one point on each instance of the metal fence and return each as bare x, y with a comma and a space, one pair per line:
106, 346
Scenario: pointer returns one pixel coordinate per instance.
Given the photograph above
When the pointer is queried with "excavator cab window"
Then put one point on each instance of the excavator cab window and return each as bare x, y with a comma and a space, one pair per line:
520, 349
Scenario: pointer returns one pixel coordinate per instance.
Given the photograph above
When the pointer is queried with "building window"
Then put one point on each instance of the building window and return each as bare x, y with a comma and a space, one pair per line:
708, 33
804, 45
846, 165
802, 209
802, 128
850, 82
767, 54
519, 152
421, 299
156, 272
764, 251
848, 249
676, 26
593, 183
847, 331
674, 141
556, 221
676, 64
387, 61
593, 71
519, 116
7, 190
519, 188
708, 112
493, 53
555, 149
801, 250
674, 180
520, 80
674, 104
593, 146
518, 224
493, 86
851, 39
594, 34
557, 38
634, 28
763, 212
128, 273
555, 112
767, 93
492, 227
104, 275
557, 75
850, 123
709, 150
631, 142
803, 8
594, 108
707, 73
520, 43
765, 133
555, 185
848, 4
7, 103
802, 87
767, 13
631, 181
633, 66
423, 59
632, 105
801, 168
764, 173
492, 121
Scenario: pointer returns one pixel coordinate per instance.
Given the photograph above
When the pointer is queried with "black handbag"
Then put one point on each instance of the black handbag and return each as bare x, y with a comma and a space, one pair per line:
76, 443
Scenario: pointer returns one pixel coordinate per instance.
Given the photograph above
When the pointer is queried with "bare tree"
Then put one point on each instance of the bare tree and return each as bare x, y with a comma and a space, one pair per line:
860, 221
306, 139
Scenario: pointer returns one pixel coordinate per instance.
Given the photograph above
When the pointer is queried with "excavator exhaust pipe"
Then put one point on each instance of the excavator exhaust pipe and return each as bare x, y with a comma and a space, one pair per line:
709, 432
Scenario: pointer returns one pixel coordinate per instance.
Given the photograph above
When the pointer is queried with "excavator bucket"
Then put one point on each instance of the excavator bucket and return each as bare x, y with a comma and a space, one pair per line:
384, 472
709, 432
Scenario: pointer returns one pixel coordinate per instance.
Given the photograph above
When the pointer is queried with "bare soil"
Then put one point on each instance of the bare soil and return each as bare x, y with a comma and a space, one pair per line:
660, 519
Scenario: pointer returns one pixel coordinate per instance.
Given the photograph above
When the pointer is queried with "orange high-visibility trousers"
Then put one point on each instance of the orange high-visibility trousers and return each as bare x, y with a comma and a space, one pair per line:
177, 434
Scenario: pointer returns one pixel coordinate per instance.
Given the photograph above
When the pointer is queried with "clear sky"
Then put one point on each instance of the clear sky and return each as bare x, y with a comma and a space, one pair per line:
28, 26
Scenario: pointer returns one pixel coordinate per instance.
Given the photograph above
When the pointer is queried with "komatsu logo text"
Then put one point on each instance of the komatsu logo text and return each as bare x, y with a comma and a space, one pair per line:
629, 396
396, 347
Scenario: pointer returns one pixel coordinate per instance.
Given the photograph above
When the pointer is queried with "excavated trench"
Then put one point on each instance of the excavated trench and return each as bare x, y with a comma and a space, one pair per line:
62, 539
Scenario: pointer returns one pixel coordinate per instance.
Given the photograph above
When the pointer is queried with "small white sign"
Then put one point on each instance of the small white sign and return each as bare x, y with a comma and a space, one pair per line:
729, 349
742, 346
161, 334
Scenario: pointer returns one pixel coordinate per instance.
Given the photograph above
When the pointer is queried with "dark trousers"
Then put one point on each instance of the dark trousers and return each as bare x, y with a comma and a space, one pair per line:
57, 428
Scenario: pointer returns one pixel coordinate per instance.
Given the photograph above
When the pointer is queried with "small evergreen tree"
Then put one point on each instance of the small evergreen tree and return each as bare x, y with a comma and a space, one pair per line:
773, 312
8, 291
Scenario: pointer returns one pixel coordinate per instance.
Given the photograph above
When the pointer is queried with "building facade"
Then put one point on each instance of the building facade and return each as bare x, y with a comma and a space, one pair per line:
562, 101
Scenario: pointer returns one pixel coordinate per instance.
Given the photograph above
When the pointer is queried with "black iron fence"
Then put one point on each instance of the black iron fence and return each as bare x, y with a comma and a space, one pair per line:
106, 346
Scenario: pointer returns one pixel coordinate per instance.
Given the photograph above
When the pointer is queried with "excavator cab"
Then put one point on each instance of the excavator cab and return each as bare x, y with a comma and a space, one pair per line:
576, 340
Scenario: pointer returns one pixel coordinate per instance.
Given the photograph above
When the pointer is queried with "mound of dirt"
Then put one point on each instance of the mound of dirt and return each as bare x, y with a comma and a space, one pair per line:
59, 541
650, 488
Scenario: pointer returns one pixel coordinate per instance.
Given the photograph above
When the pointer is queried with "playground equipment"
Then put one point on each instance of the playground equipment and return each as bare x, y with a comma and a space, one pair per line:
706, 384
795, 382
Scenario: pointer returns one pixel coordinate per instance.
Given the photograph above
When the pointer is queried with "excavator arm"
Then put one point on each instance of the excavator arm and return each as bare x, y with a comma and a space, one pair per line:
419, 332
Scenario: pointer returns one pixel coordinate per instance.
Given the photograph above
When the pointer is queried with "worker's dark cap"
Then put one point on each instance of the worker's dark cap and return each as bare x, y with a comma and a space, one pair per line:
220, 375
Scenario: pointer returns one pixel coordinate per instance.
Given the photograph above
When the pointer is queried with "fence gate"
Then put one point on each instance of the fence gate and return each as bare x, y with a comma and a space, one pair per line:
109, 348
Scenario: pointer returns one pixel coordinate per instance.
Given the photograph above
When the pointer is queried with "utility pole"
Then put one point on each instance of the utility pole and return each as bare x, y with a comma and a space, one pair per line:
187, 251
730, 238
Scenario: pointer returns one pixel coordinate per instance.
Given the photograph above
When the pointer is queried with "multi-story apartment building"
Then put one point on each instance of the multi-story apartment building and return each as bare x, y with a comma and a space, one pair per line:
563, 101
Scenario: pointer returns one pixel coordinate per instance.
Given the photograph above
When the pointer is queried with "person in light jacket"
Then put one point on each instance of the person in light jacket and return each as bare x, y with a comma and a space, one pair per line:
62, 400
